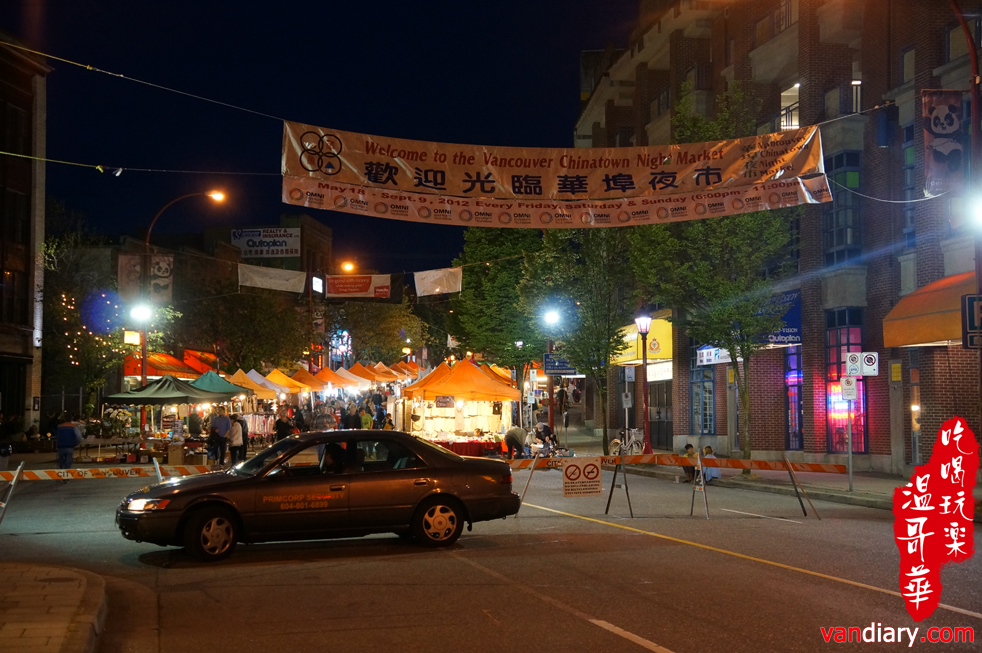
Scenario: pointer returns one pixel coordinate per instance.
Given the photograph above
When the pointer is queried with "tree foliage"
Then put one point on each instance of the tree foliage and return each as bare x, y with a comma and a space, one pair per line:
712, 272
491, 319
585, 275
378, 331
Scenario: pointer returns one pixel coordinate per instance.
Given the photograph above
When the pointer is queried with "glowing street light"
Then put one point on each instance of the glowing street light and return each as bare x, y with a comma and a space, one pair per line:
142, 313
348, 266
552, 318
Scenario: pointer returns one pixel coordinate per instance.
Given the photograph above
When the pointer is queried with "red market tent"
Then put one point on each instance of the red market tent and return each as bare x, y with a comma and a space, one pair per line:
158, 365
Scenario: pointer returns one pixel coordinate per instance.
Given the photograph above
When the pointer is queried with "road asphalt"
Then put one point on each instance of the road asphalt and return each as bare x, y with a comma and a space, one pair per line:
562, 576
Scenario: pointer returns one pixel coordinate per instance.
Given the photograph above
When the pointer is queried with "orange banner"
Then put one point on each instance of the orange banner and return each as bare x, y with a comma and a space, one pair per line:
549, 188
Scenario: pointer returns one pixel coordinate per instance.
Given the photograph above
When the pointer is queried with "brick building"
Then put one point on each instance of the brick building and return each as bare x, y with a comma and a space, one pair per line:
857, 67
22, 132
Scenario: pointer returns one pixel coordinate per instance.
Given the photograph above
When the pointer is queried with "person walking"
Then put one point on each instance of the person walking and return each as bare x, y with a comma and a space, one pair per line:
223, 425
351, 420
322, 420
234, 440
379, 420
69, 436
366, 420
244, 449
283, 427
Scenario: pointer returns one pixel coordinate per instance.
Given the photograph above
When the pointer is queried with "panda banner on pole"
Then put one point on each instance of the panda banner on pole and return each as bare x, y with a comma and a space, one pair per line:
944, 141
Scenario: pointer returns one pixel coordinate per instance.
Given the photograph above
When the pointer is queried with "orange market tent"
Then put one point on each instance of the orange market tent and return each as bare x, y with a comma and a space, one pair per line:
384, 373
412, 367
293, 387
416, 389
242, 379
158, 364
361, 382
466, 381
405, 369
499, 373
327, 375
309, 380
360, 370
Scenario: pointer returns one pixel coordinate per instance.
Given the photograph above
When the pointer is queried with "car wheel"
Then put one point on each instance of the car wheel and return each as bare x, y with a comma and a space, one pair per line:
210, 534
438, 522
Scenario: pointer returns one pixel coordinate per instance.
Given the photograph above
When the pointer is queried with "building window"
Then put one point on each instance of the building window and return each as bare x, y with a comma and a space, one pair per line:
844, 334
15, 218
857, 96
793, 440
841, 217
664, 101
955, 45
702, 414
910, 192
13, 297
14, 135
907, 66
915, 407
789, 108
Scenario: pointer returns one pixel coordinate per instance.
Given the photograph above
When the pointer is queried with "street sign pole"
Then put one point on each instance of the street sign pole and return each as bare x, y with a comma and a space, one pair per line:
849, 440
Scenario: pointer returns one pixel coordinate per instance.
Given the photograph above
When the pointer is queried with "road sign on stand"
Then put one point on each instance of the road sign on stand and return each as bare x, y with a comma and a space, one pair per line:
862, 363
972, 321
581, 477
627, 401
853, 363
848, 386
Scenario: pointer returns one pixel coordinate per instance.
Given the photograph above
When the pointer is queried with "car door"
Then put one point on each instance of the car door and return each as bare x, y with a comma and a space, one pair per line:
387, 481
305, 495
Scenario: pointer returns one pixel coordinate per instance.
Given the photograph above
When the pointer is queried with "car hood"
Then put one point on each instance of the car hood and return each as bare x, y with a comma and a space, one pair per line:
183, 484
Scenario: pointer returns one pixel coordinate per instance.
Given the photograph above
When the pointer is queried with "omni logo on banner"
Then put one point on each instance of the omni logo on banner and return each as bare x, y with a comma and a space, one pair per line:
320, 153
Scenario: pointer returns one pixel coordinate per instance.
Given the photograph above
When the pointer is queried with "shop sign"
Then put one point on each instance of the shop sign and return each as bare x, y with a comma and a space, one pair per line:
267, 242
971, 321
444, 402
556, 365
707, 355
790, 333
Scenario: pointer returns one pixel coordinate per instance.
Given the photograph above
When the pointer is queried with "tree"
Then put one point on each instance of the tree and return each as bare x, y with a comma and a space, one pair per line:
253, 327
491, 320
585, 275
378, 332
714, 272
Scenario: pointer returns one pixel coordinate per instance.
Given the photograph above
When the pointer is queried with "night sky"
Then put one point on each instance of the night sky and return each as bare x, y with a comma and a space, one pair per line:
498, 73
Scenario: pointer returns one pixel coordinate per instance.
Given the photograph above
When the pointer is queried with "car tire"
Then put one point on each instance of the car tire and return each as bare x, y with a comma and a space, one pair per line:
211, 534
438, 522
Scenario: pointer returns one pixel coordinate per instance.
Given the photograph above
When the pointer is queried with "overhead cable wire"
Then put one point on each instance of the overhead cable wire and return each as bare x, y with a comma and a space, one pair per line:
117, 170
140, 81
880, 199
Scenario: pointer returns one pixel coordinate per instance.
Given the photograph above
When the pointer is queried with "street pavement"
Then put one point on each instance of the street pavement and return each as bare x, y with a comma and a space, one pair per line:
561, 576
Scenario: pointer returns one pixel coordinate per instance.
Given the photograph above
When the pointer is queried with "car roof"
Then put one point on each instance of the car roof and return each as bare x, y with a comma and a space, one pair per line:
343, 434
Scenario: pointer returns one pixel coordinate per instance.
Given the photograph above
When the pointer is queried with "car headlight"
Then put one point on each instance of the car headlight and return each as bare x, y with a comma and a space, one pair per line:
140, 505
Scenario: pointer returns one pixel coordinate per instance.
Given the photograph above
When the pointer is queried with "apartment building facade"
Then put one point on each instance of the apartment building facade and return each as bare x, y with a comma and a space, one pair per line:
856, 68
22, 132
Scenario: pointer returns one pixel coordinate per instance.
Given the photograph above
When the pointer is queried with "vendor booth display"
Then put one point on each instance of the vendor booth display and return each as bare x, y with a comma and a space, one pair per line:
462, 408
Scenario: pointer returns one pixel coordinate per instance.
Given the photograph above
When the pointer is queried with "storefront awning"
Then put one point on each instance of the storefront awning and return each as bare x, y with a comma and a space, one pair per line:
929, 315
659, 342
158, 365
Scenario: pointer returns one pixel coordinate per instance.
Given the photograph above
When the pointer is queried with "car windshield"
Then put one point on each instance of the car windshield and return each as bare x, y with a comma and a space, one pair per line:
259, 461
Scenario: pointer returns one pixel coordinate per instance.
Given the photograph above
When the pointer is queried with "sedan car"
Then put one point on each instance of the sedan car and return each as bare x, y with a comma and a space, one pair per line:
323, 485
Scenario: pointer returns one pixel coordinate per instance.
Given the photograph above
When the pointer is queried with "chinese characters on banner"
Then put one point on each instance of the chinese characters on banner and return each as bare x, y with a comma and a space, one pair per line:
471, 185
933, 517
944, 141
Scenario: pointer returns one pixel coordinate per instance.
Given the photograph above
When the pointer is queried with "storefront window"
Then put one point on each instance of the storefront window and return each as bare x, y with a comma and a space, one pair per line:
702, 417
793, 440
844, 329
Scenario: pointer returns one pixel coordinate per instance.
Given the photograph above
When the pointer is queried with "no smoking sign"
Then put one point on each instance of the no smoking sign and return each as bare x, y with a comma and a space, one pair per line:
581, 477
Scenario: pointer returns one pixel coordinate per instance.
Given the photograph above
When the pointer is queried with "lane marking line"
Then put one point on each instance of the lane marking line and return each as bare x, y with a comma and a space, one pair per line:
753, 514
609, 627
743, 556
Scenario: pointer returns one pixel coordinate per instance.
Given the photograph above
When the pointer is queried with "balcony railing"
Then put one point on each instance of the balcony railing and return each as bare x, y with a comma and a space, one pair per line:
788, 118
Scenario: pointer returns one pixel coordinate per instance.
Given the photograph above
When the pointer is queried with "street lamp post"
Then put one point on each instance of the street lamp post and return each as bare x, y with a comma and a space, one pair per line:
552, 319
643, 321
218, 196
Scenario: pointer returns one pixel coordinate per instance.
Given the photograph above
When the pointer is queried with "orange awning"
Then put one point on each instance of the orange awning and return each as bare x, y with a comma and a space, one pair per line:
466, 381
242, 379
309, 380
282, 379
327, 375
383, 373
158, 364
360, 370
438, 374
929, 315
202, 361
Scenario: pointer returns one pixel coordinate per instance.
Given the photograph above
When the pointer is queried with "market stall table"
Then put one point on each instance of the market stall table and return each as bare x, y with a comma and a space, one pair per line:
470, 448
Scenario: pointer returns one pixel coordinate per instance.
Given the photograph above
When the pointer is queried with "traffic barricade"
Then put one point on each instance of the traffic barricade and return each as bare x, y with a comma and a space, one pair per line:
80, 473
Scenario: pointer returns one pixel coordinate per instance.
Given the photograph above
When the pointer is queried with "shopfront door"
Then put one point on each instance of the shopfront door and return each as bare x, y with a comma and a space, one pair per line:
660, 414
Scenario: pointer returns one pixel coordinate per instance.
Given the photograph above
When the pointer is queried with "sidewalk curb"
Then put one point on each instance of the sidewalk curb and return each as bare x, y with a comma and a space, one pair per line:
87, 625
864, 500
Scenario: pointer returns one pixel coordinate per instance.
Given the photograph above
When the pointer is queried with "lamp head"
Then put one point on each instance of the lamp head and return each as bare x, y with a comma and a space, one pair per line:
217, 195
552, 318
643, 321
141, 313
348, 266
